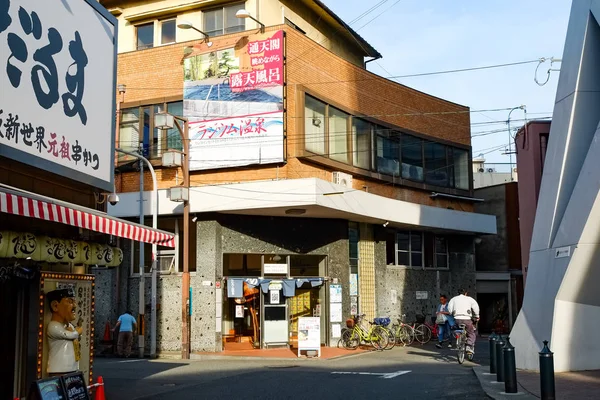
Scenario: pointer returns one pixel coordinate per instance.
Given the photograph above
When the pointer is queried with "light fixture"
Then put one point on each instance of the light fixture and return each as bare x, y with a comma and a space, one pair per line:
386, 223
245, 14
276, 258
295, 211
121, 88
163, 120
195, 218
189, 25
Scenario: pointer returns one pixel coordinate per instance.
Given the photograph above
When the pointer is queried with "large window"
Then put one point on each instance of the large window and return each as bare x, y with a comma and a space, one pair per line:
361, 143
388, 152
167, 31
416, 250
436, 164
145, 36
314, 125
441, 252
221, 21
137, 130
409, 249
338, 135
412, 158
461, 168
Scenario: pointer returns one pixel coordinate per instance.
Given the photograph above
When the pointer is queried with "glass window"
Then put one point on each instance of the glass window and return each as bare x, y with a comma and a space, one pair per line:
129, 130
410, 249
441, 252
213, 22
314, 125
388, 152
461, 168
361, 140
223, 20
173, 136
338, 135
412, 158
233, 23
436, 171
167, 31
145, 36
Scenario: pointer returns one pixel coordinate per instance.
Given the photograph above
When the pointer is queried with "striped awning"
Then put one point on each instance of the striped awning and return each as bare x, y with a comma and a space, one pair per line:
14, 201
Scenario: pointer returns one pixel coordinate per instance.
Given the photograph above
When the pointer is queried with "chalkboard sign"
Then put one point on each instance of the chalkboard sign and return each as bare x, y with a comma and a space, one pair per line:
50, 389
75, 387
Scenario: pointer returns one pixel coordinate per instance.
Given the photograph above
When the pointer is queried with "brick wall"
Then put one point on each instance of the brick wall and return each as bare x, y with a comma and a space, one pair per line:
156, 74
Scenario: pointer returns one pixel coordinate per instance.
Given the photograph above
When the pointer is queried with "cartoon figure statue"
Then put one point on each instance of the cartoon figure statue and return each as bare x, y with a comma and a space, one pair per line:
63, 338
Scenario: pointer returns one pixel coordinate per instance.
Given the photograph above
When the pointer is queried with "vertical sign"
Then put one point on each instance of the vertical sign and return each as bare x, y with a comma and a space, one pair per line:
233, 98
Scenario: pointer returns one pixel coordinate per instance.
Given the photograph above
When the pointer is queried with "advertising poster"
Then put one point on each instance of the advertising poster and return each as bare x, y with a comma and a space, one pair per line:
233, 98
335, 312
309, 333
82, 286
353, 284
335, 293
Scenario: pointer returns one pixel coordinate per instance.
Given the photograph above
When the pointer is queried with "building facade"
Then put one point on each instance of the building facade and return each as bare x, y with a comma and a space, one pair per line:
317, 188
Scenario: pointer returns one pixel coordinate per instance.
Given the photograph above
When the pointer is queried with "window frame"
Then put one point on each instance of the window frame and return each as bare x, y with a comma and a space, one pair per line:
214, 33
410, 250
161, 22
137, 37
436, 253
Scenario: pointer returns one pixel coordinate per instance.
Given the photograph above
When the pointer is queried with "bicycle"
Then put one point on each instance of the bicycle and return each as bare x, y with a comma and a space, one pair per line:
461, 343
357, 334
384, 323
403, 333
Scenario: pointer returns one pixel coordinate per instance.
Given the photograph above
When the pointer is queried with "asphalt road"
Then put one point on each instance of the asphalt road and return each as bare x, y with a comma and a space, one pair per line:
402, 373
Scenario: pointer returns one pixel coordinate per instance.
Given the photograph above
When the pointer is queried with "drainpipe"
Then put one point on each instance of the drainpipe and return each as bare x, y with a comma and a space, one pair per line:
543, 148
372, 59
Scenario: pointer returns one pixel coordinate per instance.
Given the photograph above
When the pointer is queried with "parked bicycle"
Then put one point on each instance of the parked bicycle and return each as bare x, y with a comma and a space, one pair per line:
404, 334
357, 334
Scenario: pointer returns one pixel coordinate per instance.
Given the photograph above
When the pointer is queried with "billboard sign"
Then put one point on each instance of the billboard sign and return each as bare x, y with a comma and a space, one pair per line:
233, 98
57, 74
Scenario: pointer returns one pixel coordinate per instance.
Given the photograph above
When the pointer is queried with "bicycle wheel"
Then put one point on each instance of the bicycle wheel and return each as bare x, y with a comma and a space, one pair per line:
350, 340
379, 338
422, 333
405, 335
460, 345
392, 339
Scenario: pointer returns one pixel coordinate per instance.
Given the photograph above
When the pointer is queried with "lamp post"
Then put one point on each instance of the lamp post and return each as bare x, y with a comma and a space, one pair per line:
246, 14
165, 120
189, 25
142, 287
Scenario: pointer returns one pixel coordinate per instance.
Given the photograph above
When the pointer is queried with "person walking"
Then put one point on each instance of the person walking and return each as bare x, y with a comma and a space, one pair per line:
126, 326
465, 311
444, 321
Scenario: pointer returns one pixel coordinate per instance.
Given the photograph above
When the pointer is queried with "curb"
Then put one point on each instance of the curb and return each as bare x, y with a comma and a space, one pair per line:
495, 390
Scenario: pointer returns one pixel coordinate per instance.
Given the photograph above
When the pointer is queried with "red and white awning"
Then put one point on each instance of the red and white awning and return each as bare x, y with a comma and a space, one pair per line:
25, 204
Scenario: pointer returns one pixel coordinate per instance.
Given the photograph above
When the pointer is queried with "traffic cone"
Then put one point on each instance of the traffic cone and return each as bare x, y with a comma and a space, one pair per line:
100, 389
107, 337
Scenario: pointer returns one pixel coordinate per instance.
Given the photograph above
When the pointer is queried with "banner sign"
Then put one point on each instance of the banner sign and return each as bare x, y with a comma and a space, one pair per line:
57, 103
233, 98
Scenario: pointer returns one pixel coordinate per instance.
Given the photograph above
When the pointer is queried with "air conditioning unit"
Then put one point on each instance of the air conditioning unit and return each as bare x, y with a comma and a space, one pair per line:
342, 178
481, 170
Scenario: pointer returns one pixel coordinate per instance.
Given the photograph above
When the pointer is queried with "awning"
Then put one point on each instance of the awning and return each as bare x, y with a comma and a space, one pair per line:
17, 202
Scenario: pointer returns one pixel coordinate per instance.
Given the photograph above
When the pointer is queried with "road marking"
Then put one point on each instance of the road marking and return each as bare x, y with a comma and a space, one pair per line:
383, 375
128, 361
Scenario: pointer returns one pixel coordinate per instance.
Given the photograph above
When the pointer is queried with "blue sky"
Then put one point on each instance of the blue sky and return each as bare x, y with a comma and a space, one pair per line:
416, 36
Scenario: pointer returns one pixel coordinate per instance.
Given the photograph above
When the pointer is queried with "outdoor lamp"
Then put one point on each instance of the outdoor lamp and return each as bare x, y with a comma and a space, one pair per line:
245, 14
189, 25
163, 120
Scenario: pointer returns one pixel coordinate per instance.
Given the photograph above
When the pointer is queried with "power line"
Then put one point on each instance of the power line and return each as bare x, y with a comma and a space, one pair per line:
378, 15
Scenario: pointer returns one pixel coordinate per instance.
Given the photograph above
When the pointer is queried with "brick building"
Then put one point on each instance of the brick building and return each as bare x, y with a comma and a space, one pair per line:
345, 180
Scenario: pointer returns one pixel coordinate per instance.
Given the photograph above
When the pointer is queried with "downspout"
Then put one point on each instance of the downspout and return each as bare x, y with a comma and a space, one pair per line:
543, 148
372, 59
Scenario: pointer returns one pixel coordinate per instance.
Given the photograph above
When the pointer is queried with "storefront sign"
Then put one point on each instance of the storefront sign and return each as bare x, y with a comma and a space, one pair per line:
233, 98
75, 387
275, 268
309, 333
57, 104
335, 293
50, 389
422, 295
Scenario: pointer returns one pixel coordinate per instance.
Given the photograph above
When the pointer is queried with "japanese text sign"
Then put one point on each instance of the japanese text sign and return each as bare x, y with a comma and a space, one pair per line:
57, 80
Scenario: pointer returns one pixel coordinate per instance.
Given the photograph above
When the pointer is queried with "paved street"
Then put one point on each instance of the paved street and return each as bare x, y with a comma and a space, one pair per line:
432, 374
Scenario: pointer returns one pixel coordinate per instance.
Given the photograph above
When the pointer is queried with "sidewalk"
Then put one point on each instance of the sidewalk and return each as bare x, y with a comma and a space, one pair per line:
581, 385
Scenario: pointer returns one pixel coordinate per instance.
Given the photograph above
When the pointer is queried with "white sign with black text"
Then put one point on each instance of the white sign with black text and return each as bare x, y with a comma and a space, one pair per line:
275, 268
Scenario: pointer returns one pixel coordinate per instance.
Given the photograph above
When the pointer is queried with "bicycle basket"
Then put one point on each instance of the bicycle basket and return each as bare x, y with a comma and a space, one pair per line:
382, 321
420, 319
350, 323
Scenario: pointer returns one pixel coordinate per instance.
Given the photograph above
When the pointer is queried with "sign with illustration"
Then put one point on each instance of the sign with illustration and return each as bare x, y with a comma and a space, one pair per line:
233, 98
57, 102
309, 334
67, 304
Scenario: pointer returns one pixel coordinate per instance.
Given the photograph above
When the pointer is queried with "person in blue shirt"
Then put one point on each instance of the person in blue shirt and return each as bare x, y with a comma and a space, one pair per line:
126, 326
443, 328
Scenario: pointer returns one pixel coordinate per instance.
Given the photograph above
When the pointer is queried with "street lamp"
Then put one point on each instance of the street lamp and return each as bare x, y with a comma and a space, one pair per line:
189, 25
246, 14
164, 120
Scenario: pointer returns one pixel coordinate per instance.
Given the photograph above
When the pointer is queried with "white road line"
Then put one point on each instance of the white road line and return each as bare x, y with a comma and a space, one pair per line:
383, 375
395, 374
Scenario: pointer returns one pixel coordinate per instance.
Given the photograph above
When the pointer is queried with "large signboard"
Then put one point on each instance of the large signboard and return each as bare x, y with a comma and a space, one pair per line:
233, 98
57, 80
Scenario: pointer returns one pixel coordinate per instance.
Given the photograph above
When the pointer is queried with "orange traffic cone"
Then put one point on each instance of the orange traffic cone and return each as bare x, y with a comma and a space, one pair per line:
107, 337
100, 389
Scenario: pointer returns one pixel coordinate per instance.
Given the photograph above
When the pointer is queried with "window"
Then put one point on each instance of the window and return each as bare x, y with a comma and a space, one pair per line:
314, 125
441, 252
173, 136
436, 164
412, 158
388, 152
221, 21
129, 132
167, 31
361, 143
338, 135
409, 249
461, 168
145, 36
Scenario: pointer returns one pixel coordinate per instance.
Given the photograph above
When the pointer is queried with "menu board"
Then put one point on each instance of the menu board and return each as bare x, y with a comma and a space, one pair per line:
75, 387
50, 389
309, 333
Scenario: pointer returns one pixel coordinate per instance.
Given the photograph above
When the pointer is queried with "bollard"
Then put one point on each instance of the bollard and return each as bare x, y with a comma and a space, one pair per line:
492, 343
547, 373
510, 367
499, 359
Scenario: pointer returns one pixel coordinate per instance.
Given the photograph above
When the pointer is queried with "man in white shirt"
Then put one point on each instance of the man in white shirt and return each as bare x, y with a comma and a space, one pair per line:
63, 338
465, 311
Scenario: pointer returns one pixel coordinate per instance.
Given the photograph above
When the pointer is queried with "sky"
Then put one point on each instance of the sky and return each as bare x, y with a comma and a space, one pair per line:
418, 36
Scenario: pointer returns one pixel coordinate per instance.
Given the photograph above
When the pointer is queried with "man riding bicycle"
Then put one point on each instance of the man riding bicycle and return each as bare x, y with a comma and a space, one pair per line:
465, 311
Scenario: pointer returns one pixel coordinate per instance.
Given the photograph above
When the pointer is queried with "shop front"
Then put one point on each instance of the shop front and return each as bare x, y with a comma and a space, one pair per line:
267, 294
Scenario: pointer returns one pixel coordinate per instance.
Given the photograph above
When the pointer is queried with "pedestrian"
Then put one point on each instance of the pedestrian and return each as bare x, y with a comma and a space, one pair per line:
465, 311
126, 326
444, 321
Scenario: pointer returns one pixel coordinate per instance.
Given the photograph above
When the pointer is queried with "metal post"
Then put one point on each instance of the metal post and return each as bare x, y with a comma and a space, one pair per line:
492, 344
142, 283
510, 368
499, 360
547, 373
